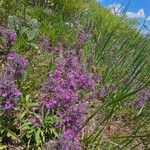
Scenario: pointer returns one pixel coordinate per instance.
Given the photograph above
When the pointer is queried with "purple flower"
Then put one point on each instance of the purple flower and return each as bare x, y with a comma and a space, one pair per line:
57, 74
15, 91
7, 106
9, 92
99, 93
82, 38
45, 44
16, 65
58, 49
12, 36
13, 68
35, 121
50, 104
143, 97
62, 91
9, 34
69, 134
35, 109
15, 58
67, 141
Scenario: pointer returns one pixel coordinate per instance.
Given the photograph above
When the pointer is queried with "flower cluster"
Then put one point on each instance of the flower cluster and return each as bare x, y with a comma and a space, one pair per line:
9, 92
101, 92
68, 141
82, 38
35, 121
58, 49
64, 90
144, 96
45, 44
11, 70
16, 65
10, 35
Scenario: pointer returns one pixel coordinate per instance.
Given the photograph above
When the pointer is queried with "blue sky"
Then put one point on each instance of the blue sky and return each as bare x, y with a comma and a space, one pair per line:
139, 9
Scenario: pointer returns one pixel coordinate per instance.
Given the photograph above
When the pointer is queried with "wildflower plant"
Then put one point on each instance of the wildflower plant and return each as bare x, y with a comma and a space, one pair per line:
14, 64
12, 67
143, 98
64, 91
88, 91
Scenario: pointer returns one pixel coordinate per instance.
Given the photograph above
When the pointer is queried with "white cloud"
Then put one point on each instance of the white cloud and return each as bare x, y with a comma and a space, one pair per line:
100, 1
139, 14
148, 18
144, 31
115, 8
118, 10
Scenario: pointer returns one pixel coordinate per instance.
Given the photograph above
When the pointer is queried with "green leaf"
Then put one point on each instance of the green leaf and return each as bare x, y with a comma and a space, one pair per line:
140, 111
31, 35
34, 23
43, 137
38, 137
22, 115
2, 147
14, 23
13, 135
25, 125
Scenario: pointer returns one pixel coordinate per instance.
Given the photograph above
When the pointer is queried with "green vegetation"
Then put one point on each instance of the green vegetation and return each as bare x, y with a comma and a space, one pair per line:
115, 53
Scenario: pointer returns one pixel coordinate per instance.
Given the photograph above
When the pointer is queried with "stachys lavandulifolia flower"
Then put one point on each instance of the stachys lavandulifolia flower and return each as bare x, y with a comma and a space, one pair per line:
62, 92
35, 121
16, 64
68, 141
11, 36
9, 93
143, 97
45, 44
11, 70
58, 49
82, 38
